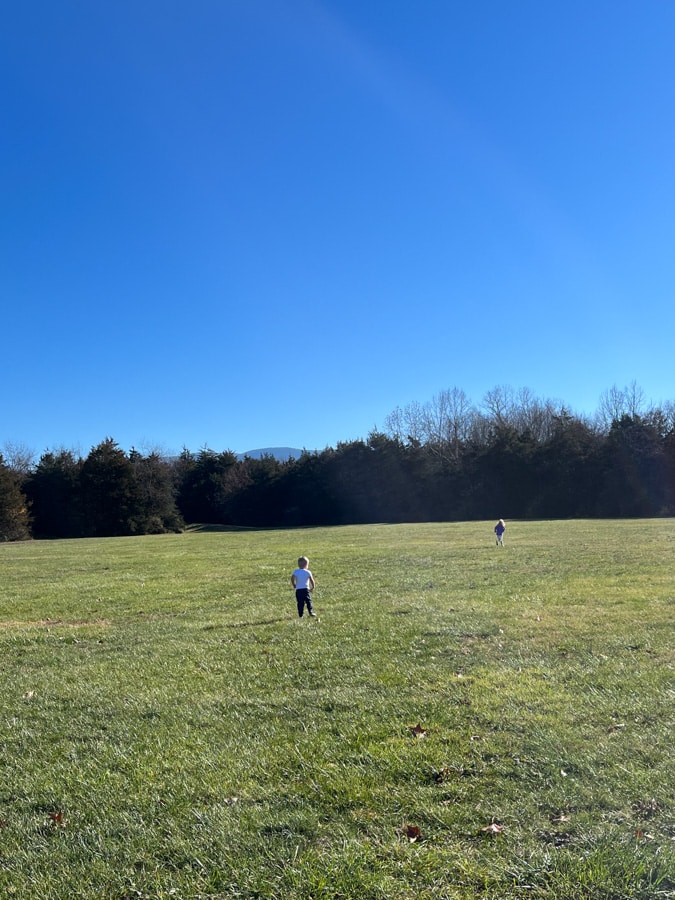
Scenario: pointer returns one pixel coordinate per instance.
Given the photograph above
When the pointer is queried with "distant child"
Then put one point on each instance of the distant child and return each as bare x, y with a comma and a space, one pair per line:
303, 582
500, 528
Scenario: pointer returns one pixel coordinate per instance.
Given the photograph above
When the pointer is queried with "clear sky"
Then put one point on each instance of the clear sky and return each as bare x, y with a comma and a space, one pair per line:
247, 223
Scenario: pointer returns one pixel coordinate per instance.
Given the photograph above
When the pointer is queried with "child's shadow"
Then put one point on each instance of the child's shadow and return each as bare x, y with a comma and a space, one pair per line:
248, 624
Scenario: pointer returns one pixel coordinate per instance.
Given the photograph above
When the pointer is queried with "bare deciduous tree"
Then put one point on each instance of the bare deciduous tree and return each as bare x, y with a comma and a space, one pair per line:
18, 457
406, 424
530, 414
615, 403
500, 404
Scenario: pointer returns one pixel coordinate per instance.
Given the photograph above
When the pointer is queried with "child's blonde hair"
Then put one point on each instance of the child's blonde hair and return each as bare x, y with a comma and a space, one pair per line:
303, 562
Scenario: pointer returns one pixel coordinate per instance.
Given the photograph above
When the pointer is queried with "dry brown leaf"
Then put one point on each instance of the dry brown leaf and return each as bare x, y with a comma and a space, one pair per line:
412, 832
493, 828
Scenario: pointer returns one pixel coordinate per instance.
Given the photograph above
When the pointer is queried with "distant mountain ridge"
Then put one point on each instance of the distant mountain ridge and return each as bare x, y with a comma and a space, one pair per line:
280, 453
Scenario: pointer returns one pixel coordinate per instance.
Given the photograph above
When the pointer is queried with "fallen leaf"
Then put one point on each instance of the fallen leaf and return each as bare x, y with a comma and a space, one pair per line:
57, 818
412, 832
418, 731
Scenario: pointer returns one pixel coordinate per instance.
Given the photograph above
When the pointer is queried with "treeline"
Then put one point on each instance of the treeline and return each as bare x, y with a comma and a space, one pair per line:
514, 456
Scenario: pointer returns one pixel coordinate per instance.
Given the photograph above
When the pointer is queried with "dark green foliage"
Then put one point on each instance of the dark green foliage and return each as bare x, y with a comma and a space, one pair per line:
55, 496
156, 511
636, 470
205, 484
14, 517
258, 493
110, 495
569, 470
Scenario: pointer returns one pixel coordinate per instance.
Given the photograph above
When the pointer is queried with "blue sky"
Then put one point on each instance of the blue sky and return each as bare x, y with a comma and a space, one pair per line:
247, 223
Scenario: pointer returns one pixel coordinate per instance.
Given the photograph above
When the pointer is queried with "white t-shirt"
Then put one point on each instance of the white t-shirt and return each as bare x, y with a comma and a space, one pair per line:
302, 577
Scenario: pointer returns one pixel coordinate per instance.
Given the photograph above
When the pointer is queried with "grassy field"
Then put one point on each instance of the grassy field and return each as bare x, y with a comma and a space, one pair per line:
459, 721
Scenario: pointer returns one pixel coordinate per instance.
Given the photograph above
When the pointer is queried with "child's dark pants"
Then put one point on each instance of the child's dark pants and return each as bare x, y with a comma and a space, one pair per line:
303, 596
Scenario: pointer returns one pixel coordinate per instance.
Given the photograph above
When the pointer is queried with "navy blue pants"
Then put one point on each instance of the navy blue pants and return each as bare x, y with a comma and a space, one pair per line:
303, 596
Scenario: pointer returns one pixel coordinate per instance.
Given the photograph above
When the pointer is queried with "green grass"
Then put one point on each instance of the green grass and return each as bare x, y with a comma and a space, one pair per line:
169, 728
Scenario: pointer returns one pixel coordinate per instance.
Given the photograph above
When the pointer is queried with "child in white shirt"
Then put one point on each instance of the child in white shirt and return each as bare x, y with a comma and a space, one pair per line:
303, 582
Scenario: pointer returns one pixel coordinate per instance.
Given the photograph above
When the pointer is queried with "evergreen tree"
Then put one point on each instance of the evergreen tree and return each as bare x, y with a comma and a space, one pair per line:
569, 470
14, 517
206, 483
636, 469
157, 510
55, 494
111, 499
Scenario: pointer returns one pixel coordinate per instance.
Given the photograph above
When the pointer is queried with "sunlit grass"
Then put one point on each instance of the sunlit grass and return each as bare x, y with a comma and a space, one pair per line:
170, 728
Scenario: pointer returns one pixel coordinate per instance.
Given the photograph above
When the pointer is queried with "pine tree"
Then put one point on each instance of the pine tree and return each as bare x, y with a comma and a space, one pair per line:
14, 517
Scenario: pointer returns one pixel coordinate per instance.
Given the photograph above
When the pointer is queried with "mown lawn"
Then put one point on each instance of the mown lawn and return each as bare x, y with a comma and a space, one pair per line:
460, 721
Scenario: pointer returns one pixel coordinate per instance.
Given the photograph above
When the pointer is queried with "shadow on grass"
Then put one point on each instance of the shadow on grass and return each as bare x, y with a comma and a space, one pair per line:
246, 624
206, 528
